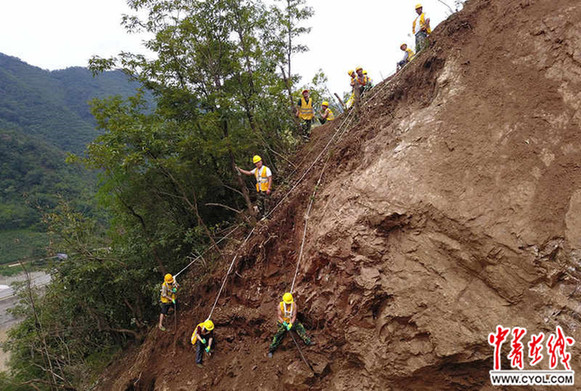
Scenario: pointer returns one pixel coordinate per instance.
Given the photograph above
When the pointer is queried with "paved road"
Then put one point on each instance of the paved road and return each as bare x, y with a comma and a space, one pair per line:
7, 299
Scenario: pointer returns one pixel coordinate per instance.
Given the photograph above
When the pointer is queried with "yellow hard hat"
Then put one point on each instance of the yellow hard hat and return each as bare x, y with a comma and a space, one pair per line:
351, 72
287, 298
358, 68
305, 90
365, 72
418, 6
256, 159
168, 278
402, 45
325, 103
209, 325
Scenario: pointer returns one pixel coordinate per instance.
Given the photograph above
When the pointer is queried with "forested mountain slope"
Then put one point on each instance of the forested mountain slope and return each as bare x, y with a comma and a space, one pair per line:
450, 207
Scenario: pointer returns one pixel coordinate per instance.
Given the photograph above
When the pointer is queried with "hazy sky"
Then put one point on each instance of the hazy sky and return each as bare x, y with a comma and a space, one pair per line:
56, 34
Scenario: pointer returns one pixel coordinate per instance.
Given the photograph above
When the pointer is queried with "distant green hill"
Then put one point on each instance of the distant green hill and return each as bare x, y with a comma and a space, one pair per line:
43, 116
52, 105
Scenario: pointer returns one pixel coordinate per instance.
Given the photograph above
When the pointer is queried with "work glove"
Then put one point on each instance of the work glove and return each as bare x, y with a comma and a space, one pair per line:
285, 324
173, 301
174, 289
207, 349
289, 326
203, 340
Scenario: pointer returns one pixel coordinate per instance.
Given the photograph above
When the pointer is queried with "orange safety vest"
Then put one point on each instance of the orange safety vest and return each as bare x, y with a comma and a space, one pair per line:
422, 19
306, 111
261, 180
287, 314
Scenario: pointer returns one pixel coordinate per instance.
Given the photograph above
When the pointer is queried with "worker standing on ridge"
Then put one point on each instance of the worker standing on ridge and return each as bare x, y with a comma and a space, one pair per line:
351, 99
361, 80
263, 177
326, 113
203, 340
407, 57
423, 30
369, 81
287, 321
305, 112
169, 287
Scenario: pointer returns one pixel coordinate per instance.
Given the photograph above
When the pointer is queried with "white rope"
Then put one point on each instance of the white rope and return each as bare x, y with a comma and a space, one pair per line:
306, 225
207, 249
228, 273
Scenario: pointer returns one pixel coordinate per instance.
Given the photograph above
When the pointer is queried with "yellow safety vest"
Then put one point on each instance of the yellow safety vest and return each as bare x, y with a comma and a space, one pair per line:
195, 335
261, 180
287, 315
422, 19
165, 299
411, 54
330, 117
306, 111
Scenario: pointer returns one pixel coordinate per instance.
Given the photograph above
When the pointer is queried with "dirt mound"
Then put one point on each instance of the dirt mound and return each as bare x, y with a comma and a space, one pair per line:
450, 207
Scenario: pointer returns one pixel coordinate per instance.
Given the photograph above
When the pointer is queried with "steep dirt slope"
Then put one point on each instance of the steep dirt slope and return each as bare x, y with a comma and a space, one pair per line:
452, 206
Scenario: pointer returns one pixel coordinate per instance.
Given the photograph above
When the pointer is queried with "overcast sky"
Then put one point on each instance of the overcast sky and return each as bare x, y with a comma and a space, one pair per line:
56, 34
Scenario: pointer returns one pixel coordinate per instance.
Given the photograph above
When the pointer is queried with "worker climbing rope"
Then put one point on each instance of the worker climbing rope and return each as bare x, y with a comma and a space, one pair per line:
203, 340
287, 321
169, 289
407, 57
263, 177
423, 31
352, 83
305, 112
326, 113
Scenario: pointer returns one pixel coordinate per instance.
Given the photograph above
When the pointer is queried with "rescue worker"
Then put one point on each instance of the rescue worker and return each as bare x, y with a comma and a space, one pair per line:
351, 99
305, 112
369, 81
263, 177
361, 80
326, 113
407, 57
203, 340
287, 321
169, 288
423, 29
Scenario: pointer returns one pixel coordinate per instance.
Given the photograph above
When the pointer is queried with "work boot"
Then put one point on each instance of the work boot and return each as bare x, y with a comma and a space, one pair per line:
162, 328
269, 354
199, 365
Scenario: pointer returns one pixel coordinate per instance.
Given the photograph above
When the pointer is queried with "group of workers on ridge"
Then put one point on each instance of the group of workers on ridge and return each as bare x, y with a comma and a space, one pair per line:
203, 335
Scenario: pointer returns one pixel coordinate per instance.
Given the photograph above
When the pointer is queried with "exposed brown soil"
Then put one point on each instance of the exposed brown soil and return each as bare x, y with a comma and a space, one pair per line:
450, 207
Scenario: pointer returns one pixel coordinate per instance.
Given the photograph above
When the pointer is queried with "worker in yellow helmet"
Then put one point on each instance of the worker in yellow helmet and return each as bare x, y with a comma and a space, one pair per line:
369, 81
287, 321
203, 340
351, 99
263, 177
169, 287
407, 57
361, 80
326, 113
305, 111
421, 28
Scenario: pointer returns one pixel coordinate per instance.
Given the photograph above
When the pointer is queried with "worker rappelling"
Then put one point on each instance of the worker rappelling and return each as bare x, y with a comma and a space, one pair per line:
169, 289
305, 112
203, 340
287, 321
421, 29
326, 113
263, 177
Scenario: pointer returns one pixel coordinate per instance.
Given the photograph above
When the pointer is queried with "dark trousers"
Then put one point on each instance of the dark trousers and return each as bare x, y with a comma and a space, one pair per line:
263, 203
421, 41
281, 332
200, 348
306, 128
